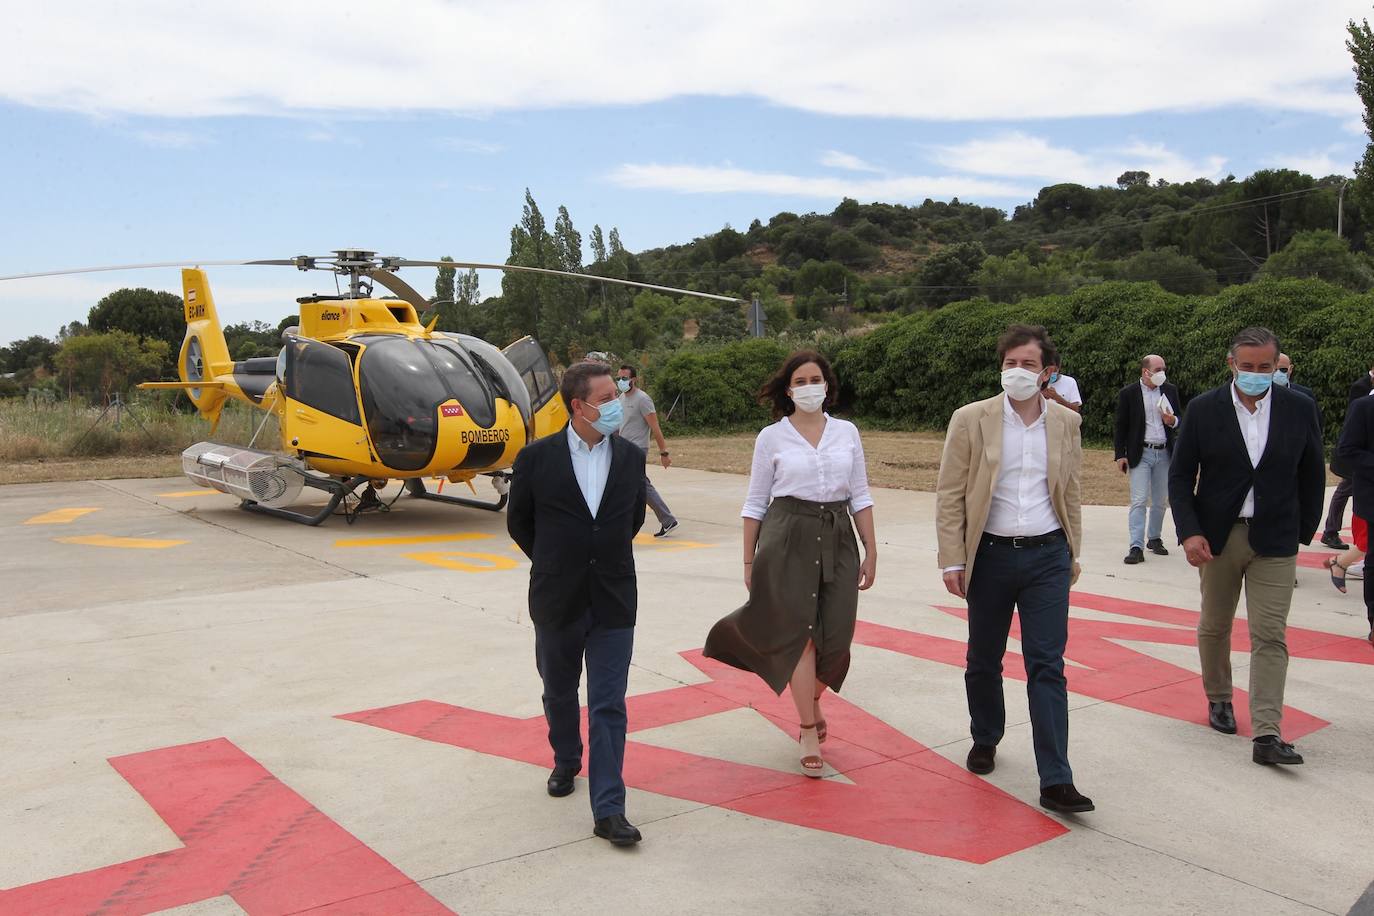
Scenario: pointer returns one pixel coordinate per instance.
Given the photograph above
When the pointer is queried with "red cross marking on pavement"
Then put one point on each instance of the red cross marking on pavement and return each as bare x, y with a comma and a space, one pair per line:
902, 793
247, 836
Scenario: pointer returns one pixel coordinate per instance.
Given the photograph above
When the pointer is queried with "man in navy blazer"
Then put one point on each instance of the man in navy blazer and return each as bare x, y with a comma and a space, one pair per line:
1246, 486
576, 504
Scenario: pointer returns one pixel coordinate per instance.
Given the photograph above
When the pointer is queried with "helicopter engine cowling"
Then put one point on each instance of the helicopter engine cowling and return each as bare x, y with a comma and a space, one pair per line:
265, 478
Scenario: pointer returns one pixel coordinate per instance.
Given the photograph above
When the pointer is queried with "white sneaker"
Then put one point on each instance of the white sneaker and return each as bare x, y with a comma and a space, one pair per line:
1356, 570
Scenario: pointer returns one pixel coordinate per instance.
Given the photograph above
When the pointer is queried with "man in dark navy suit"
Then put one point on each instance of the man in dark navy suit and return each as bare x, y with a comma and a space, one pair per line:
576, 503
1246, 486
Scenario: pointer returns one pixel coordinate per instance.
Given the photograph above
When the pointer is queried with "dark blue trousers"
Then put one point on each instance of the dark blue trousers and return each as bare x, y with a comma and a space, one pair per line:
558, 653
1035, 581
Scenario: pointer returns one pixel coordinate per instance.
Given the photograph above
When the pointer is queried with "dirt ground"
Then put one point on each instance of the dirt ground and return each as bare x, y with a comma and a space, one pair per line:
906, 461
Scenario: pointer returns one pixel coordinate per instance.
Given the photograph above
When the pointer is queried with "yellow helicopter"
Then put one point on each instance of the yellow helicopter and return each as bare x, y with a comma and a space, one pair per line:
363, 393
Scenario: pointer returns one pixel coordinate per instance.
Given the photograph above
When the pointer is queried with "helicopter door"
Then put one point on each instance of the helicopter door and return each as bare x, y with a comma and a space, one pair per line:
529, 359
321, 416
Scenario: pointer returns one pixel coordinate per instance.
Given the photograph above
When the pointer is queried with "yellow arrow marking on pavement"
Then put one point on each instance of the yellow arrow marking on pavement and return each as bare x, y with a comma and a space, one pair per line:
451, 559
648, 540
105, 540
59, 516
183, 494
408, 541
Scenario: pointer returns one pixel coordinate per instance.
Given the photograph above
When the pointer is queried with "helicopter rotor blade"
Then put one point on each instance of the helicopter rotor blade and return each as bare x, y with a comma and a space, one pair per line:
90, 270
399, 287
402, 262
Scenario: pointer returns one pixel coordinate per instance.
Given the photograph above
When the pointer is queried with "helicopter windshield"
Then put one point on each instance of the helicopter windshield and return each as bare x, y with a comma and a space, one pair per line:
403, 383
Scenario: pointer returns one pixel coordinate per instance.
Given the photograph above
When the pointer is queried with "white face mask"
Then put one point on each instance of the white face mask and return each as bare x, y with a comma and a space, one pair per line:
1020, 384
1157, 378
808, 398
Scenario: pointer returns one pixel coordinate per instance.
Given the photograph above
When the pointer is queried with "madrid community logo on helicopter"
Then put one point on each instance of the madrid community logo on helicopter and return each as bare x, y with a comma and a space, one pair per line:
363, 393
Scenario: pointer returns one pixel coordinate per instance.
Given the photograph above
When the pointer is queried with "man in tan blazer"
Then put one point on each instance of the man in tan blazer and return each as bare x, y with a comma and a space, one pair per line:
1007, 504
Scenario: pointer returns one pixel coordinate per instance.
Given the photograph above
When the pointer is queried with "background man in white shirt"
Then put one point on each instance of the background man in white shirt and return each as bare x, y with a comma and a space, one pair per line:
1146, 422
1063, 389
1008, 503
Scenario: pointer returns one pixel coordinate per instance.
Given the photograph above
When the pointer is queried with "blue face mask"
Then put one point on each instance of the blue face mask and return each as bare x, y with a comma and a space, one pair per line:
623, 384
1254, 384
610, 417
1281, 377
1054, 377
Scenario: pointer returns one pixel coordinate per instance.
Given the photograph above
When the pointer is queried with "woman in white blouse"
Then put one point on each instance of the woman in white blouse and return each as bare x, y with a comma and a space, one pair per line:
801, 561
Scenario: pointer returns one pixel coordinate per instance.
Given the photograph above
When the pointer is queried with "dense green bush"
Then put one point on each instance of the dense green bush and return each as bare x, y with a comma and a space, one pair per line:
914, 371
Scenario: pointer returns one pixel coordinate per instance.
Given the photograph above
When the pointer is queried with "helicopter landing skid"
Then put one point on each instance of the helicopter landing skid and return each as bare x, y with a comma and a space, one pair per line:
416, 487
336, 490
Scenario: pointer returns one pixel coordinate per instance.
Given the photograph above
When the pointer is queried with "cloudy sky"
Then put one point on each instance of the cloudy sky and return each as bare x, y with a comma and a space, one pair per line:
154, 131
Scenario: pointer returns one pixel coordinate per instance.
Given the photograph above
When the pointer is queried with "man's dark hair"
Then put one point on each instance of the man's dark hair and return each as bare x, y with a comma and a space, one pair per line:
631, 370
1019, 335
1255, 337
774, 391
577, 381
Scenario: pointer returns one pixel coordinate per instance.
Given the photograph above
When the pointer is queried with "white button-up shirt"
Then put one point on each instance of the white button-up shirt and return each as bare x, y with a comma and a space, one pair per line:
1021, 504
1154, 421
1254, 429
785, 464
591, 466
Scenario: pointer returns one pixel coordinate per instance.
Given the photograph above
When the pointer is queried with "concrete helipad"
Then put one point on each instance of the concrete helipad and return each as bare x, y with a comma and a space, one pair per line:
208, 711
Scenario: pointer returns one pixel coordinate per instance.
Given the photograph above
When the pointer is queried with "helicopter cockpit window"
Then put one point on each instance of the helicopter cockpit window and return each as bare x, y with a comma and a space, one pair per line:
529, 360
403, 383
322, 377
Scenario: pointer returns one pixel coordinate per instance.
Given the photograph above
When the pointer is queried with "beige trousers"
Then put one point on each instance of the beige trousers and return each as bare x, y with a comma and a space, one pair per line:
1268, 585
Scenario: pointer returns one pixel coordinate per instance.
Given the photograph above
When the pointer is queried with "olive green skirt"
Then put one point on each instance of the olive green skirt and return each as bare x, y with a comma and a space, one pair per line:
805, 586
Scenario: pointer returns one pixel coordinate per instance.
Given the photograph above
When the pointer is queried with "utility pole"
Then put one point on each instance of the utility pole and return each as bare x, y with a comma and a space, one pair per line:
1340, 208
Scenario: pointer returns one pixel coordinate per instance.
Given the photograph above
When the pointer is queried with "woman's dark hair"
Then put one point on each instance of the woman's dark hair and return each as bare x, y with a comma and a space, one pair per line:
774, 391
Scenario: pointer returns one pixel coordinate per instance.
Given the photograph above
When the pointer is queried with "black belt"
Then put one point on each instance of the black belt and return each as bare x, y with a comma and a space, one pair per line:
1020, 541
1156, 445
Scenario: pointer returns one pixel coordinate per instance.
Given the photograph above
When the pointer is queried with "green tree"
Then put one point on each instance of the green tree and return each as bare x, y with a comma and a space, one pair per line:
947, 275
1318, 254
1174, 271
1360, 44
109, 363
443, 283
146, 313
31, 357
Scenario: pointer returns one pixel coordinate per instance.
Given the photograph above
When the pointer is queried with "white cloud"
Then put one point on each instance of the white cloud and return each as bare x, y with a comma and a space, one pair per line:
467, 145
838, 160
1354, 126
1317, 163
726, 179
1016, 154
993, 60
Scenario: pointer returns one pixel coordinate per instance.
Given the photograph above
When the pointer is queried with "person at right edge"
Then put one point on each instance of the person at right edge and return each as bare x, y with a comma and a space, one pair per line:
1355, 452
1247, 484
1007, 503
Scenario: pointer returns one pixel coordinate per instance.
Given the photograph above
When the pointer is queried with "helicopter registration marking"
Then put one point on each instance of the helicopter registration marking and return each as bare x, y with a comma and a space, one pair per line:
105, 540
59, 516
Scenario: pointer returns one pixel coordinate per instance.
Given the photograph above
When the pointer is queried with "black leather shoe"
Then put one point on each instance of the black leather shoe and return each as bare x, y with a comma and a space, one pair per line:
562, 781
1334, 542
618, 830
1272, 749
982, 759
1222, 717
1157, 547
1065, 799
1135, 556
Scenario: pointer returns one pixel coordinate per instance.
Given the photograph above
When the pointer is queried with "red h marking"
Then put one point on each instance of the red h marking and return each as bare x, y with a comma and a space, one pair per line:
1121, 675
903, 795
247, 835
